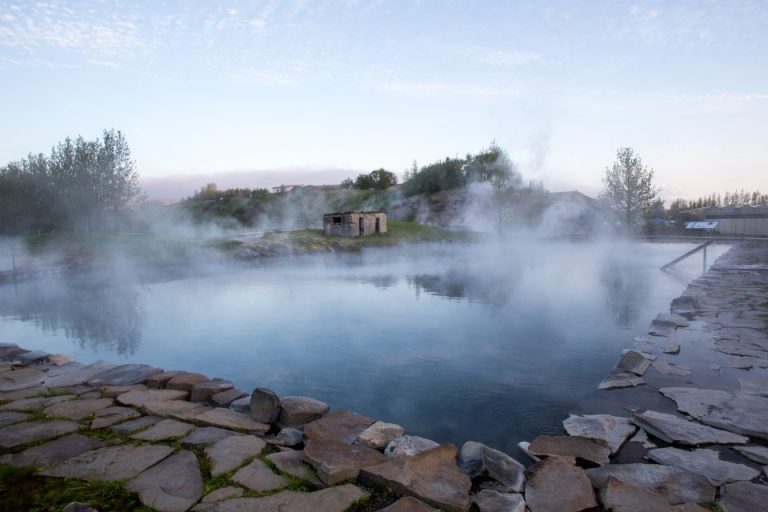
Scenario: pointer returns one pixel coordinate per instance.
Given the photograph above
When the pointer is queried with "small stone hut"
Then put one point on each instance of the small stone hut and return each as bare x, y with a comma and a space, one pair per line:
355, 223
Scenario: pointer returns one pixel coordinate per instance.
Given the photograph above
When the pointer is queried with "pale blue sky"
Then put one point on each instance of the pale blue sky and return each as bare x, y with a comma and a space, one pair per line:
311, 91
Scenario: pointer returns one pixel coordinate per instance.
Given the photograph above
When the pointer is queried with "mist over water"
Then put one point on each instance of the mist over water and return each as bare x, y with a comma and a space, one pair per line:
492, 342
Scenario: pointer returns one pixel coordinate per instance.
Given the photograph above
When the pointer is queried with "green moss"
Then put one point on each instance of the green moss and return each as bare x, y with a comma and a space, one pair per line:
712, 506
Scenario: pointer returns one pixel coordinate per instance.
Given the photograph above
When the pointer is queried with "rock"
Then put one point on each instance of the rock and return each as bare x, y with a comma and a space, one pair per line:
111, 463
204, 391
525, 447
31, 432
32, 357
223, 494
292, 463
11, 417
661, 328
184, 381
231, 452
139, 398
111, 415
557, 484
620, 379
52, 453
225, 398
31, 404
134, 425
642, 439
670, 369
179, 409
159, 380
124, 375
432, 476
754, 386
704, 462
591, 450
618, 496
25, 392
77, 409
676, 484
671, 348
19, 379
689, 507
174, 485
115, 391
673, 318
736, 412
336, 461
408, 445
257, 477
755, 453
288, 437
744, 497
340, 425
166, 429
76, 374
299, 410
264, 405
489, 500
206, 435
379, 435
613, 430
227, 418
408, 504
241, 405
334, 499
58, 360
476, 459
635, 362
674, 429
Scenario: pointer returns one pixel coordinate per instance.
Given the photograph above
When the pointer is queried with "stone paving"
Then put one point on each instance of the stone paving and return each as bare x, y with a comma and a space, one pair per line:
184, 441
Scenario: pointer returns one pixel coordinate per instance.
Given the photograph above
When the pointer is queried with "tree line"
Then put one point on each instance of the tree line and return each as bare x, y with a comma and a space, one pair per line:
81, 185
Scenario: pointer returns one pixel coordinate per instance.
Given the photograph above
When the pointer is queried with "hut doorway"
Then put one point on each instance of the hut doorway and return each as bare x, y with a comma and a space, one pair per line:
361, 225
378, 226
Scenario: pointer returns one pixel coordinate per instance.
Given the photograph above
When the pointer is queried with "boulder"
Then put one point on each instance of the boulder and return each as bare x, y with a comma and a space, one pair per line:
676, 484
288, 437
225, 398
477, 459
591, 450
336, 461
159, 380
618, 496
204, 391
173, 485
379, 435
231, 452
111, 463
300, 410
557, 484
264, 405
408, 445
613, 430
241, 405
431, 476
634, 362
704, 462
674, 429
340, 425
489, 500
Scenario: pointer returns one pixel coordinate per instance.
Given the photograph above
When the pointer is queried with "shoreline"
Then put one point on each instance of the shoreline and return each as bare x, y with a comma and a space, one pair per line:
493, 478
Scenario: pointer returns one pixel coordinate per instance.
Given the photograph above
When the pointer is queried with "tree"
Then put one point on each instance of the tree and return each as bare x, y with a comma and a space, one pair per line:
629, 188
380, 179
504, 180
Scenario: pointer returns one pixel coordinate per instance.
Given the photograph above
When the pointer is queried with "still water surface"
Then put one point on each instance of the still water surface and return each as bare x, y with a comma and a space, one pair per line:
489, 343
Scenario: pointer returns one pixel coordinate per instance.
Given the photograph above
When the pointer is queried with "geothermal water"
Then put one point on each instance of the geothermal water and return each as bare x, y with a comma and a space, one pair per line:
494, 343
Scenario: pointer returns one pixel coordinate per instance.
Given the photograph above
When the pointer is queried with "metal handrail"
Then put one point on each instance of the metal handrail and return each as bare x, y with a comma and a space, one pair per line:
690, 253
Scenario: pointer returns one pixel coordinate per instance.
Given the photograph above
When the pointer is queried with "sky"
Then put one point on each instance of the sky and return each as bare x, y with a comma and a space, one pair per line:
293, 91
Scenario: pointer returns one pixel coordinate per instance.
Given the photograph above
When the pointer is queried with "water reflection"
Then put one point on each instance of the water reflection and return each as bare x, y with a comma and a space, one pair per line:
97, 315
493, 290
626, 290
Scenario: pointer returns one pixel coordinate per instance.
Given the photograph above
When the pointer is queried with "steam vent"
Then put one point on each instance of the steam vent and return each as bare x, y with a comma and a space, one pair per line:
355, 223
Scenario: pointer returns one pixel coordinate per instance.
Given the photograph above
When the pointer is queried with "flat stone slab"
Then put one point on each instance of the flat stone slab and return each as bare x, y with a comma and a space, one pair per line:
206, 435
673, 318
556, 483
184, 381
227, 418
224, 398
173, 485
744, 497
159, 380
31, 357
50, 454
736, 412
340, 425
755, 453
620, 379
179, 409
333, 499
670, 369
431, 476
139, 398
77, 409
166, 429
111, 463
676, 484
19, 379
223, 493
674, 429
754, 386
292, 463
704, 462
671, 348
592, 450
76, 374
124, 375
408, 445
30, 432
25, 392
31, 404
204, 391
613, 430
409, 504
257, 477
110, 415
379, 435
336, 461
131, 426
11, 417
634, 362
661, 328
619, 496
231, 452
243, 405
115, 391
288, 437
489, 500
477, 459
300, 410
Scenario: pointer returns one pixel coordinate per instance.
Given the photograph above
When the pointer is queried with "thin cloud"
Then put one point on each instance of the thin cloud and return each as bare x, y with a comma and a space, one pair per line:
495, 57
444, 89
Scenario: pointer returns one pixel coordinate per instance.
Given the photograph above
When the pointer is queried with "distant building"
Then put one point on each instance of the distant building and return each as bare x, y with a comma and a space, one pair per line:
285, 188
739, 220
355, 223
